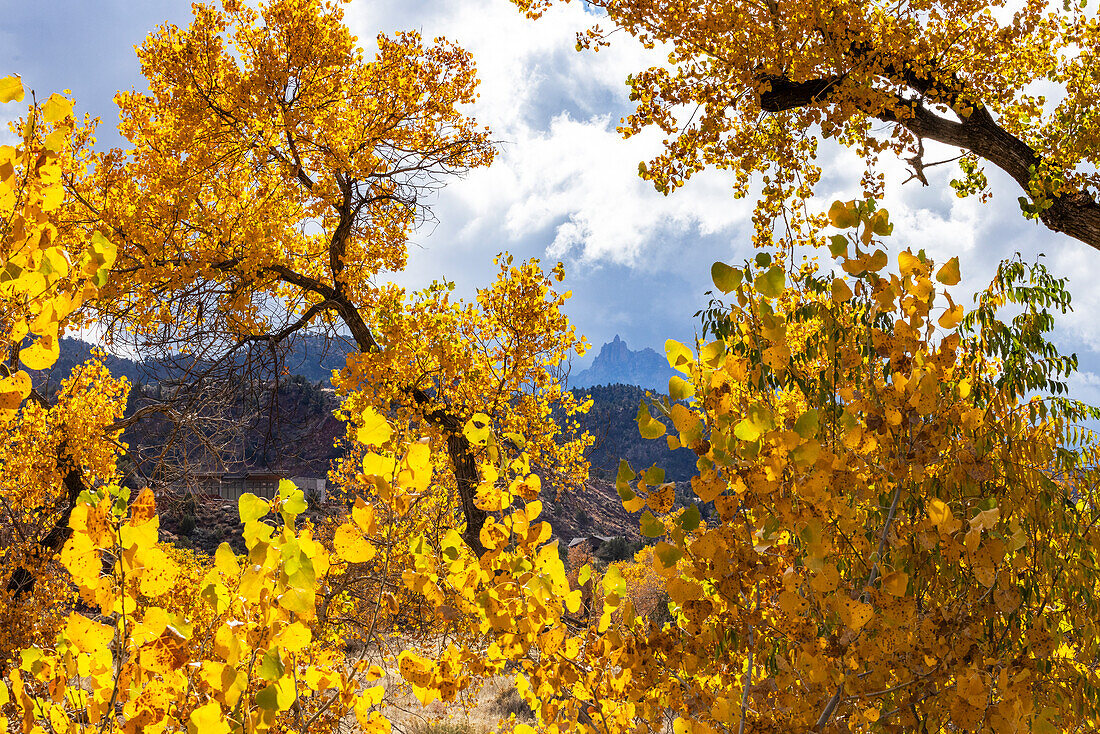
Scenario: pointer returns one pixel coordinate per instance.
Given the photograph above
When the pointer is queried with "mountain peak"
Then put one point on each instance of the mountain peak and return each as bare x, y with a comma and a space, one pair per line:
618, 363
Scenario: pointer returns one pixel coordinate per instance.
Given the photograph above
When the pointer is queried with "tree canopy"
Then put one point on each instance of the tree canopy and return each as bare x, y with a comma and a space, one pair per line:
894, 523
754, 85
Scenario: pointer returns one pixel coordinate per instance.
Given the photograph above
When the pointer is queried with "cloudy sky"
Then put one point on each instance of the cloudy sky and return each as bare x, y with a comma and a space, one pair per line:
565, 185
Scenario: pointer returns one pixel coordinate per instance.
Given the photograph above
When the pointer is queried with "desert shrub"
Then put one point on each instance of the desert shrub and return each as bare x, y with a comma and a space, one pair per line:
509, 702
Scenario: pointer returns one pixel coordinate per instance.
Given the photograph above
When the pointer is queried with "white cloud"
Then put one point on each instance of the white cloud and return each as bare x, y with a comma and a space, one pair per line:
563, 174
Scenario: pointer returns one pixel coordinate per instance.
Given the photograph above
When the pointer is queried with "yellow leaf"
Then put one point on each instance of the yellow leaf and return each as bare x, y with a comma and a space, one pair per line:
826, 580
56, 108
949, 273
679, 357
225, 560
208, 719
14, 389
41, 354
908, 262
87, 635
351, 545
841, 291
941, 517
896, 583
159, 573
295, 637
11, 89
374, 430
951, 317
843, 214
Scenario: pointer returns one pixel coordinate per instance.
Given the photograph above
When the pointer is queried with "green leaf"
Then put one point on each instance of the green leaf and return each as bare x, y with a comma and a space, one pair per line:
648, 426
690, 519
771, 283
271, 665
725, 278
654, 476
806, 425
651, 526
625, 475
251, 507
838, 245
763, 259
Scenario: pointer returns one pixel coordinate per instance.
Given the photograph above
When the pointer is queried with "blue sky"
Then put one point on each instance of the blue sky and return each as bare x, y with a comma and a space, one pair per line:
565, 185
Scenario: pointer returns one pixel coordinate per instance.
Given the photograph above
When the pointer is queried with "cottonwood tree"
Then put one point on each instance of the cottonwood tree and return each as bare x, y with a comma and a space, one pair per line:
900, 542
273, 178
755, 85
54, 447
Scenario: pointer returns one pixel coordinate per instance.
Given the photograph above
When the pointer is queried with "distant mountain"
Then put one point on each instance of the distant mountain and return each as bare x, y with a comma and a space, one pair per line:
618, 364
310, 356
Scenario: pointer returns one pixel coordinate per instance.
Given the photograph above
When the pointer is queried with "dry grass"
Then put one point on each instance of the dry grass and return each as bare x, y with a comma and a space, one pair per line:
479, 712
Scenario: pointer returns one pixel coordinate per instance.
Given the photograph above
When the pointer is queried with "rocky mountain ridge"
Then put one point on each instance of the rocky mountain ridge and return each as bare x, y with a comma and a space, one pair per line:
619, 364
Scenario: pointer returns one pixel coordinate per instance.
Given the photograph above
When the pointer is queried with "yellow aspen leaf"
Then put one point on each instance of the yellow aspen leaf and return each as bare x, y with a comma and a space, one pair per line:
791, 603
208, 719
648, 426
660, 500
679, 388
87, 635
367, 700
295, 637
896, 583
56, 108
841, 292
854, 613
374, 429
679, 357
842, 215
250, 507
948, 274
908, 263
11, 89
14, 389
951, 317
41, 354
826, 580
159, 573
876, 262
941, 516
225, 560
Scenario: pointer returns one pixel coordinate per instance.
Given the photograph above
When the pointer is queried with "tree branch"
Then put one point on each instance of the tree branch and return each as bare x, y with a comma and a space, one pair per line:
1074, 213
